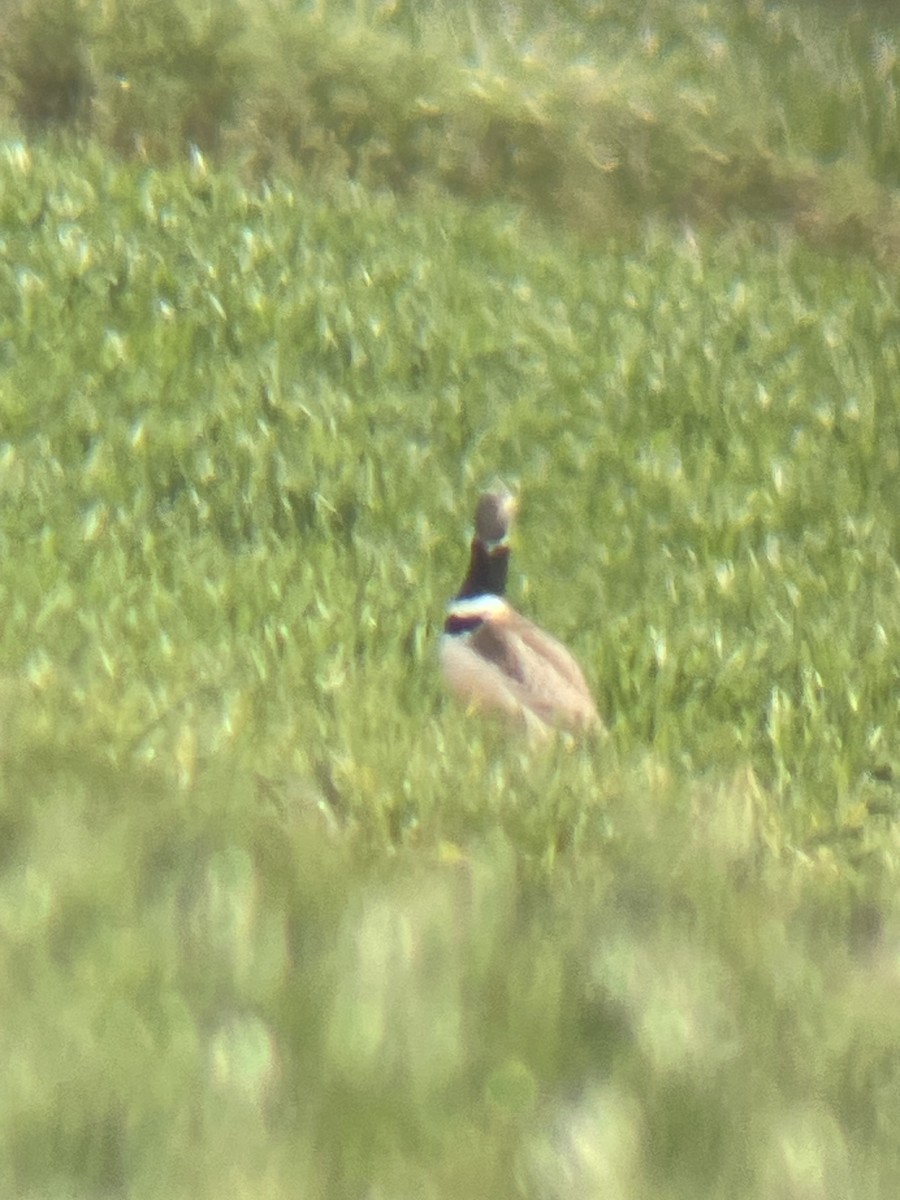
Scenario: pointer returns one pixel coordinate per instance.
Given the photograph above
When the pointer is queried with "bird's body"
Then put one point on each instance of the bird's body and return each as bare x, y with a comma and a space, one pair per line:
493, 658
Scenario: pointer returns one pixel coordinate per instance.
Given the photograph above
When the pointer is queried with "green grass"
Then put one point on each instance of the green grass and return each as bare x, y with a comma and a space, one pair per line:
592, 114
278, 918
276, 914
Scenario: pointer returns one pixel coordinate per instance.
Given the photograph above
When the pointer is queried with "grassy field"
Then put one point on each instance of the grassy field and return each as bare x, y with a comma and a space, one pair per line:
589, 113
277, 918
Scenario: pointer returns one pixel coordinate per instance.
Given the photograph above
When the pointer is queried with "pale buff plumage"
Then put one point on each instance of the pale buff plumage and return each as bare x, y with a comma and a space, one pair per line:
496, 660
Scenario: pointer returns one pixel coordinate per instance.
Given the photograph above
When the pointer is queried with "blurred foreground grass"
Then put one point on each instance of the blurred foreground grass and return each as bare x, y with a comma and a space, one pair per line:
205, 995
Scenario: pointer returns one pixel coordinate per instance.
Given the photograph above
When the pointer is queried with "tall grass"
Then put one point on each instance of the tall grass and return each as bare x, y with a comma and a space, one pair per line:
276, 917
591, 114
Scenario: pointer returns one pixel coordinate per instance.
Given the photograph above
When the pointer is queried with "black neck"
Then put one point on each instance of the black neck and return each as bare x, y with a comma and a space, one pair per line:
488, 568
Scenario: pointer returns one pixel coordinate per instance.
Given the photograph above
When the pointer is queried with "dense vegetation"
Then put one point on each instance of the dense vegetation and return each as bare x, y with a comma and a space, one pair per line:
592, 112
277, 918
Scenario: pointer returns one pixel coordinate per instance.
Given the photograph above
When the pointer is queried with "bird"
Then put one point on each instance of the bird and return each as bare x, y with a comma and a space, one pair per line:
496, 660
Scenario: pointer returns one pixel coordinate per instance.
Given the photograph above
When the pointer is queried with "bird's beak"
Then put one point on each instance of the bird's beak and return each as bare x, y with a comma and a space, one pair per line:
510, 507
